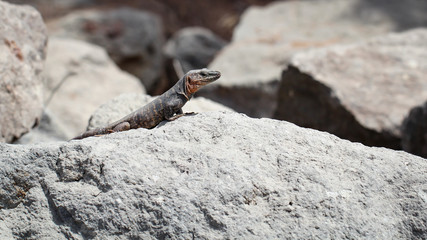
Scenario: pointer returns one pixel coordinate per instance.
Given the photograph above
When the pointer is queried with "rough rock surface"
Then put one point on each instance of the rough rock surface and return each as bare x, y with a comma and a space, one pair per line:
194, 47
79, 78
212, 176
414, 131
132, 38
266, 37
126, 103
23, 40
361, 91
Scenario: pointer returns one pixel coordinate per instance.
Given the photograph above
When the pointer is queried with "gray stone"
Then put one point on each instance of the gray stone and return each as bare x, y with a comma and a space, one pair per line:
23, 40
193, 47
414, 131
50, 129
126, 103
50, 6
133, 38
212, 176
79, 78
361, 91
266, 37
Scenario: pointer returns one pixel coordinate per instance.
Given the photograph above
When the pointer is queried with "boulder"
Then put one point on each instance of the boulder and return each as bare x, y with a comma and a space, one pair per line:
23, 39
126, 103
361, 91
214, 175
49, 7
414, 131
266, 37
133, 38
79, 78
193, 48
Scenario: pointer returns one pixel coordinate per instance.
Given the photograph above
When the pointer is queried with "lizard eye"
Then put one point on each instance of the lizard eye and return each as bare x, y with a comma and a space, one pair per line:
203, 74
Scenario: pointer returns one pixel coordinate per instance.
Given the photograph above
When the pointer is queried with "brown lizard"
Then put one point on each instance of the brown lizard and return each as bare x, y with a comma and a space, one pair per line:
165, 107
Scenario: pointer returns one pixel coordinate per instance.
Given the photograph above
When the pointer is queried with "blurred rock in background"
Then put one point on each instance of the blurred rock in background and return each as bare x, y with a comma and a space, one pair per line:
49, 129
133, 38
266, 38
50, 8
23, 40
88, 79
360, 92
220, 16
414, 131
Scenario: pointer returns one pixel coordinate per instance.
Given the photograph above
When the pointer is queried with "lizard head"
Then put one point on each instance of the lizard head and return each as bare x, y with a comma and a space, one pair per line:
196, 79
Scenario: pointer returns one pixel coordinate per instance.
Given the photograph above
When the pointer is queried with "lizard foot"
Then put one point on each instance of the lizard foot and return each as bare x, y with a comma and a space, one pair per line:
176, 116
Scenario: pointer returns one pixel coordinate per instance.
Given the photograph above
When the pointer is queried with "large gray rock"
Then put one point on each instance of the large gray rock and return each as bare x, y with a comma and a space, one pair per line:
23, 40
133, 38
267, 36
79, 78
414, 131
126, 103
361, 91
212, 176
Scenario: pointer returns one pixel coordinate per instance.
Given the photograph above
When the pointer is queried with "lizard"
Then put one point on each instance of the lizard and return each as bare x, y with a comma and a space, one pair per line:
167, 106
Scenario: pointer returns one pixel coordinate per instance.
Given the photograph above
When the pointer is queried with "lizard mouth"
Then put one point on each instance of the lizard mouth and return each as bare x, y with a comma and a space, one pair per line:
210, 76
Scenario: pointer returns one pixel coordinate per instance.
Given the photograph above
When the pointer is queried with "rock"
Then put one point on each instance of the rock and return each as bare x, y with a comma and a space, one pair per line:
50, 129
80, 77
201, 104
414, 131
193, 47
266, 37
126, 103
23, 40
132, 38
49, 6
358, 19
212, 176
361, 91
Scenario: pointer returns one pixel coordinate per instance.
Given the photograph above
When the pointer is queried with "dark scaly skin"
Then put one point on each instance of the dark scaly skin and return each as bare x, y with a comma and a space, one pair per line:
163, 107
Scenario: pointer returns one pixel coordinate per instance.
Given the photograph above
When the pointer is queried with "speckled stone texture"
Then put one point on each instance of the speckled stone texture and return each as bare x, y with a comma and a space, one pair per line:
213, 175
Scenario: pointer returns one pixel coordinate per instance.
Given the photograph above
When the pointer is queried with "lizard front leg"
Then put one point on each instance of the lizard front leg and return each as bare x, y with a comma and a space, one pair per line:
170, 115
179, 114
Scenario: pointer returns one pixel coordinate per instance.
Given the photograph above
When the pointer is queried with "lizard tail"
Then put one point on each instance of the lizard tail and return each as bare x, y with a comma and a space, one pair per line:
93, 132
